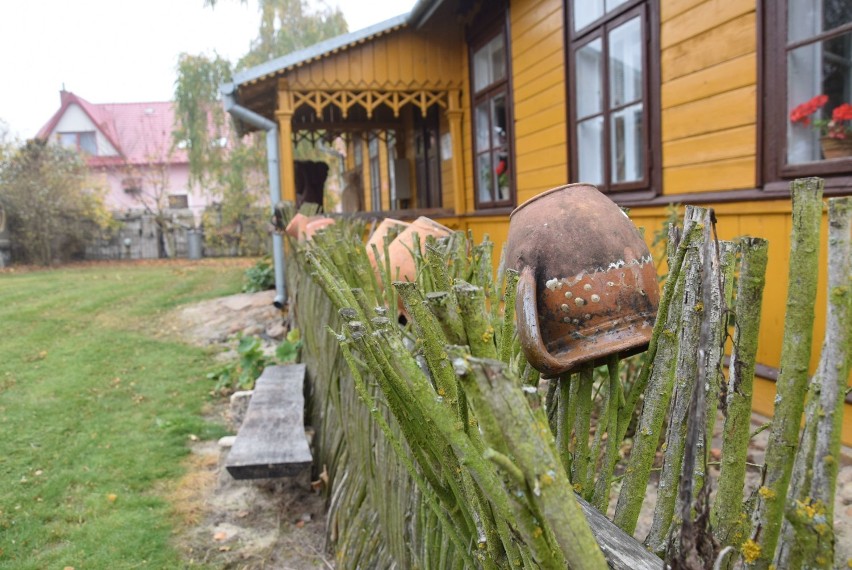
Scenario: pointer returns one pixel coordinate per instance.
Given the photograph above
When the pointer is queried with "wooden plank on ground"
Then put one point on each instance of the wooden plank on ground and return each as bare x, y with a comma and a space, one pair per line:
622, 551
272, 442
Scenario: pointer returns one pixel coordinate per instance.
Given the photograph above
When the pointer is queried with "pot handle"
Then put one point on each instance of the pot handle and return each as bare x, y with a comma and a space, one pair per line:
529, 332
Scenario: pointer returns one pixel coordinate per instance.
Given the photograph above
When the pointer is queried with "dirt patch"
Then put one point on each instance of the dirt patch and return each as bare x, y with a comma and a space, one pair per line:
224, 523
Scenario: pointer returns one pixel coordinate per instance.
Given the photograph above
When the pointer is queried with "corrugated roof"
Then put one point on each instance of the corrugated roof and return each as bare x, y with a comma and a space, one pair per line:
317, 51
140, 132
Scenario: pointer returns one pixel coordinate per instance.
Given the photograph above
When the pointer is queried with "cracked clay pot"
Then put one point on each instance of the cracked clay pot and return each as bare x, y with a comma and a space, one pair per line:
588, 286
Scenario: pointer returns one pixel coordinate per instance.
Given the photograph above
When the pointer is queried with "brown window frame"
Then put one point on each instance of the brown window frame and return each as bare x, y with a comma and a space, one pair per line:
77, 144
178, 201
649, 13
773, 116
486, 27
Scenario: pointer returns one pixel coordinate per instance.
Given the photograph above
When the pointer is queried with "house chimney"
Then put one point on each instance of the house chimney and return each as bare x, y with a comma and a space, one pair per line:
64, 95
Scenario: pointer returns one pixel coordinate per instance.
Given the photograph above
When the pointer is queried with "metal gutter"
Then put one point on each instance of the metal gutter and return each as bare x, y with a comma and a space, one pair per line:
423, 11
272, 159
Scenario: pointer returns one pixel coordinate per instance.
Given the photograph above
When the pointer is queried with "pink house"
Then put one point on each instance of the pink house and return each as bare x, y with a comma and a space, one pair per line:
129, 147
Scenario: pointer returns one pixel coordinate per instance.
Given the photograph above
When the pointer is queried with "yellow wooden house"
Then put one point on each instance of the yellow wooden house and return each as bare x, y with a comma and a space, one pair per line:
463, 109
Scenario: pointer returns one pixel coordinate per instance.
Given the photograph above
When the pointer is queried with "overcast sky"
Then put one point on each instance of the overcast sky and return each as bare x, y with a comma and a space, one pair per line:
123, 51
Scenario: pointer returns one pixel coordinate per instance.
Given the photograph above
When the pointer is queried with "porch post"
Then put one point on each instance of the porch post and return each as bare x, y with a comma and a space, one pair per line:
454, 115
284, 114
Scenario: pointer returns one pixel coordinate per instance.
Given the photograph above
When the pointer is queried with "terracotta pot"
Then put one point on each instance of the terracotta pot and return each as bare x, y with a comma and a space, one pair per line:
296, 227
315, 225
378, 237
588, 286
836, 148
398, 250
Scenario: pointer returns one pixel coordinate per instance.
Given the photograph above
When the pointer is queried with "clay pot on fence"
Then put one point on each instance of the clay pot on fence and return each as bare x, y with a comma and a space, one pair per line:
315, 225
588, 285
296, 227
378, 237
401, 261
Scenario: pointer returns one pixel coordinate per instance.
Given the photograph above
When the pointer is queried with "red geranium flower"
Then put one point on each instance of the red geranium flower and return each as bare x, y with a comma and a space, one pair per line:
842, 113
802, 113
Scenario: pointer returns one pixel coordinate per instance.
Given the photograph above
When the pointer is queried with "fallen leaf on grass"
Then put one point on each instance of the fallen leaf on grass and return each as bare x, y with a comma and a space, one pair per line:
111, 497
220, 536
224, 549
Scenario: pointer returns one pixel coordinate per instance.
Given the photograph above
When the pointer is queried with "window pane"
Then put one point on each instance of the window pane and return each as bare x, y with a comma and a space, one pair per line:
613, 4
625, 63
627, 145
483, 127
498, 122
88, 143
501, 173
803, 19
836, 13
179, 201
589, 79
489, 63
68, 140
590, 150
498, 59
586, 12
823, 68
485, 178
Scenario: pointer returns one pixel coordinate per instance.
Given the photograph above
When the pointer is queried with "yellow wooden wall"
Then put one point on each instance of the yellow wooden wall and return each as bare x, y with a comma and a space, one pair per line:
403, 59
538, 65
708, 94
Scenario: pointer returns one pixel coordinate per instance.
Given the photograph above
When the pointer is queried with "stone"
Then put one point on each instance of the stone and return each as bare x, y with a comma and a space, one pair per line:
276, 330
845, 493
227, 441
253, 330
239, 404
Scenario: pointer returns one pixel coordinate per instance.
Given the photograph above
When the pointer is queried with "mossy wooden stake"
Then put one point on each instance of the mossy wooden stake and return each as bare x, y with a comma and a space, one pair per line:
477, 322
547, 485
431, 499
793, 375
559, 389
508, 333
675, 265
660, 386
727, 514
582, 421
600, 499
809, 524
721, 293
836, 357
686, 372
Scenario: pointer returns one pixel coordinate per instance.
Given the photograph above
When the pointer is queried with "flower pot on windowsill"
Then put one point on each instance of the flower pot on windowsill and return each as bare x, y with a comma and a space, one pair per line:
836, 148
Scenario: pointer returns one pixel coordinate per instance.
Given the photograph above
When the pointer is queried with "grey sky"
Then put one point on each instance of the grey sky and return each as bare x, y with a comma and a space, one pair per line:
120, 51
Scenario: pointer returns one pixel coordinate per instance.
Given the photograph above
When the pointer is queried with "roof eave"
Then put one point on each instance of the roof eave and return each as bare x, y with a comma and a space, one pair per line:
280, 64
423, 12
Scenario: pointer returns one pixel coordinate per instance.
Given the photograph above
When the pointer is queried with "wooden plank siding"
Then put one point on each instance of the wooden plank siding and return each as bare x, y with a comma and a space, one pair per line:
709, 95
404, 59
538, 56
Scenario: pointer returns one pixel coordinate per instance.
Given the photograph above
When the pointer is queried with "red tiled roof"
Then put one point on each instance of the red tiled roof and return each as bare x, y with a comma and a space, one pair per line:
140, 132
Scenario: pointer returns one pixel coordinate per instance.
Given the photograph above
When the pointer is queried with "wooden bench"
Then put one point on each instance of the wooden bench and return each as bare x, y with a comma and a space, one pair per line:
271, 442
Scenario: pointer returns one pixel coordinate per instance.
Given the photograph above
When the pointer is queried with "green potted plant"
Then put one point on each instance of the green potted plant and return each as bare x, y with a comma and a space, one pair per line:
835, 133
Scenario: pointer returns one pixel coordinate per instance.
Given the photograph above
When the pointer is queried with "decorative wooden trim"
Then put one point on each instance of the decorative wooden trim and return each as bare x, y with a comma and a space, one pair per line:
369, 100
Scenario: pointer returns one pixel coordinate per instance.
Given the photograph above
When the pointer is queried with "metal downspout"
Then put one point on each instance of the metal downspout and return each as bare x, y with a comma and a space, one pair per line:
272, 159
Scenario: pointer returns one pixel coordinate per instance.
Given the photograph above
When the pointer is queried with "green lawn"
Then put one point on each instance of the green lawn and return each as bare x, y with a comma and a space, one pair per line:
96, 407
